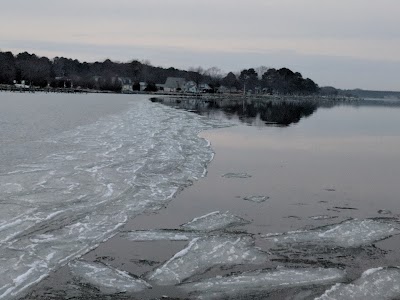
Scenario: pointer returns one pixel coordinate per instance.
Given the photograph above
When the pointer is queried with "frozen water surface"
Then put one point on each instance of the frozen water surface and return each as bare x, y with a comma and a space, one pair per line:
348, 234
107, 279
68, 201
214, 221
160, 235
257, 199
374, 284
322, 217
261, 282
237, 175
204, 253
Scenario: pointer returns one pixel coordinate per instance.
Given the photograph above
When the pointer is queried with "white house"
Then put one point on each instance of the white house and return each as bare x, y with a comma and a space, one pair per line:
190, 87
204, 88
126, 84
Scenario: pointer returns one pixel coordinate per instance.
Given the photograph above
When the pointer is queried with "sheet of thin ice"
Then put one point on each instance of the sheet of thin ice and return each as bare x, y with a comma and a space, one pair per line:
237, 175
204, 253
160, 235
256, 199
109, 280
63, 205
262, 281
374, 284
214, 221
348, 234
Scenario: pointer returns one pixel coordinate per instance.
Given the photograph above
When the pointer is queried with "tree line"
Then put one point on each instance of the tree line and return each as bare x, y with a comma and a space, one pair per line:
66, 72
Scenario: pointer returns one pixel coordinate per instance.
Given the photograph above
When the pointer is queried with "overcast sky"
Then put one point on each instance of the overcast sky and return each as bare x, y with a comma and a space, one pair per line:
344, 43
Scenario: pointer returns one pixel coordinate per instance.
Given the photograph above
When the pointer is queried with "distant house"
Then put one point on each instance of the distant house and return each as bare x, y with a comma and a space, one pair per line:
204, 88
63, 82
160, 86
174, 84
190, 87
126, 84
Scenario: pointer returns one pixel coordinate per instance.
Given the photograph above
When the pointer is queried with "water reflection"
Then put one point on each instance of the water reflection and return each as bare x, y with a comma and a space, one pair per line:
251, 112
265, 112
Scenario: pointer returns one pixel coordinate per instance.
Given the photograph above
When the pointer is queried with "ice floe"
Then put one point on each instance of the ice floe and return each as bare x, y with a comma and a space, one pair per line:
107, 279
374, 284
160, 235
384, 212
261, 282
204, 253
322, 217
348, 234
214, 221
257, 199
237, 175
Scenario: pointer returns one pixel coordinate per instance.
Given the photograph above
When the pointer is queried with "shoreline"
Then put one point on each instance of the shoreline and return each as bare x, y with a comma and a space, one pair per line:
205, 96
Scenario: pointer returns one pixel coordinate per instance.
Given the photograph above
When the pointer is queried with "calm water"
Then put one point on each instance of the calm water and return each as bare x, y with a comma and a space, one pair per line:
315, 165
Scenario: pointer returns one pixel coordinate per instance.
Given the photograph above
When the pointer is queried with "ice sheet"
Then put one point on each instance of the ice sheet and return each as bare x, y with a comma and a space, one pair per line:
374, 284
237, 175
160, 235
107, 279
214, 221
261, 282
204, 253
348, 234
256, 199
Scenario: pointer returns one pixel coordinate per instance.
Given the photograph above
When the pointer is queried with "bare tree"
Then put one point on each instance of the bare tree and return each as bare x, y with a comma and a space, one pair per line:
196, 74
214, 72
261, 70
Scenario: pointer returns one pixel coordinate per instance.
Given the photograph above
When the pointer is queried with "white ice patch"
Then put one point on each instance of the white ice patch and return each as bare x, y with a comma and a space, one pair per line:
214, 221
237, 175
374, 284
262, 281
160, 235
348, 234
118, 167
322, 217
109, 280
256, 199
204, 253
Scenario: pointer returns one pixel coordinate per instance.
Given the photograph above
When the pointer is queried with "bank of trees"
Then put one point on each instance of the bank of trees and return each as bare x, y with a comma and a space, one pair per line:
65, 72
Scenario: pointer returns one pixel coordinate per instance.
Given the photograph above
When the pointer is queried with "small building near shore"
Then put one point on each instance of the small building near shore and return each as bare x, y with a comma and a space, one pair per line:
204, 88
174, 84
21, 85
190, 87
126, 84
160, 86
